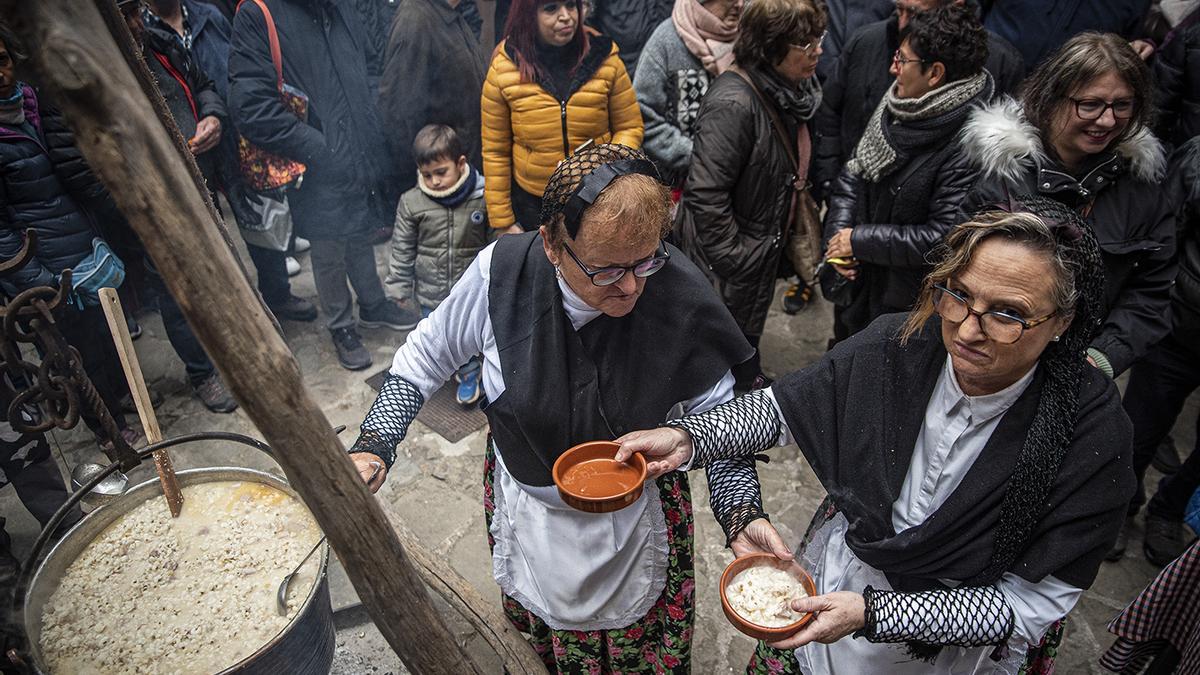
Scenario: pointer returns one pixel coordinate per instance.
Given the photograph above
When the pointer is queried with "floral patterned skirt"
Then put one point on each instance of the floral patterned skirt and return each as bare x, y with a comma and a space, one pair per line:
660, 642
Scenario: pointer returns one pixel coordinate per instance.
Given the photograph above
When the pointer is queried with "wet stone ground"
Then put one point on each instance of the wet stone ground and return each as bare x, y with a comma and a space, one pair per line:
435, 488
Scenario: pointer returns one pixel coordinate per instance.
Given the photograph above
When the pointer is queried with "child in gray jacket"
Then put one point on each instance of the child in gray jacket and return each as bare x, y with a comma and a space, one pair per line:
440, 227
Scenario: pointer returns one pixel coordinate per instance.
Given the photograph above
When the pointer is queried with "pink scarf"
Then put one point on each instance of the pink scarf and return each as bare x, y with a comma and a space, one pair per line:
706, 37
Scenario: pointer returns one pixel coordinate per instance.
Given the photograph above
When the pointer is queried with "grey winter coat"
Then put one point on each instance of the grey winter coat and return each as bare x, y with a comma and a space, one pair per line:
432, 245
670, 82
1120, 194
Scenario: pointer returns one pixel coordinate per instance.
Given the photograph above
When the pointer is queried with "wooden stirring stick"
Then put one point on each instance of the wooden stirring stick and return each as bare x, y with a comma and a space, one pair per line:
141, 398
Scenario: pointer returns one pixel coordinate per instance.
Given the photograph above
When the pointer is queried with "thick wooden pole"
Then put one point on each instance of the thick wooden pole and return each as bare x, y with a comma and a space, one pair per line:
127, 145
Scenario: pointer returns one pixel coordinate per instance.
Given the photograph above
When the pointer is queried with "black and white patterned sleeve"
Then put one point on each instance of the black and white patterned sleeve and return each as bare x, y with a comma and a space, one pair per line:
387, 421
738, 428
977, 616
734, 494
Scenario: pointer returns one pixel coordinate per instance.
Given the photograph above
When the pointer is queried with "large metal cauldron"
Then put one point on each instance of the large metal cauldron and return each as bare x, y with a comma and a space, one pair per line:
304, 647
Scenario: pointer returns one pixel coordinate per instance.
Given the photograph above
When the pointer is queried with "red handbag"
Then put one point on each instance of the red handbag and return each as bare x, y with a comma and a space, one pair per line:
264, 170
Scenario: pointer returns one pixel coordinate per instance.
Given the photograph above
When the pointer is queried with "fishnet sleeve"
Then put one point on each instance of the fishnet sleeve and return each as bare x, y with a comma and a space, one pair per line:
974, 616
734, 494
735, 429
387, 421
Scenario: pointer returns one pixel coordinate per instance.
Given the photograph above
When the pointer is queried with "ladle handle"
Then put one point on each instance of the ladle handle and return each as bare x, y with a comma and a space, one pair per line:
141, 398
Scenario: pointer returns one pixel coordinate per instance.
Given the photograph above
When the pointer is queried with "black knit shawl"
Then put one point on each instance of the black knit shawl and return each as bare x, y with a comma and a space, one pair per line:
856, 415
614, 375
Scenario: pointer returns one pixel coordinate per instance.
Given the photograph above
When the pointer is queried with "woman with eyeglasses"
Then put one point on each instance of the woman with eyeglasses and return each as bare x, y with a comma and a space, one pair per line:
901, 190
745, 197
1080, 135
589, 328
977, 469
552, 86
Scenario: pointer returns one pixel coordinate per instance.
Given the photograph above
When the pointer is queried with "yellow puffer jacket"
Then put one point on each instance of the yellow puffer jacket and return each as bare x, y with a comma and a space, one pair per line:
527, 131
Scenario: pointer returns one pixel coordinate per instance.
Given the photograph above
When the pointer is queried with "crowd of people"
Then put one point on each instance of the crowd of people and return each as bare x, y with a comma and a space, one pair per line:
586, 224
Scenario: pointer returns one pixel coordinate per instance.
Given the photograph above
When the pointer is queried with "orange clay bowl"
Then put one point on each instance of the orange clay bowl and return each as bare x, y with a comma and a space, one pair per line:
590, 479
752, 629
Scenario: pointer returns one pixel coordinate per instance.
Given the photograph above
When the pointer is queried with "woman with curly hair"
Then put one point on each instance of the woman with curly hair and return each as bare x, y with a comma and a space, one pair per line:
977, 469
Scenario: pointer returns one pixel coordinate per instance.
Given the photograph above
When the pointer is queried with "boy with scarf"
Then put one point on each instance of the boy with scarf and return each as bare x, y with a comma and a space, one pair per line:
901, 190
441, 225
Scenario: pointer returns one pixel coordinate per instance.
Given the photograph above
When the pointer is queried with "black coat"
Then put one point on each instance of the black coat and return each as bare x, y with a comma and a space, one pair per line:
432, 74
1131, 213
858, 83
1185, 295
845, 18
735, 202
341, 143
629, 23
1177, 81
897, 222
45, 186
190, 94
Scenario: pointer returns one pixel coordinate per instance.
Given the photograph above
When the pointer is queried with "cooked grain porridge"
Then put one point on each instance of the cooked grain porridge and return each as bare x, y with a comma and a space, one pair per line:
194, 594
762, 595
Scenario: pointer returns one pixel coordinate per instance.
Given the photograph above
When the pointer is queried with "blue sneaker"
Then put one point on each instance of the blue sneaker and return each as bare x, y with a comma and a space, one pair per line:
469, 390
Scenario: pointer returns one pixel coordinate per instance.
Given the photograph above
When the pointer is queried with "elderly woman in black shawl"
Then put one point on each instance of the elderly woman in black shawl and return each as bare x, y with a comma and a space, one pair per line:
977, 470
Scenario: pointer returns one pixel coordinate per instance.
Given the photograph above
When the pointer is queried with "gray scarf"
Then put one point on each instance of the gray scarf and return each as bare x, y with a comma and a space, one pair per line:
914, 123
12, 110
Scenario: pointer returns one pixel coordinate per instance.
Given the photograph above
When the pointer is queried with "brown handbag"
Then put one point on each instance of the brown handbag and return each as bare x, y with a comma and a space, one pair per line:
264, 170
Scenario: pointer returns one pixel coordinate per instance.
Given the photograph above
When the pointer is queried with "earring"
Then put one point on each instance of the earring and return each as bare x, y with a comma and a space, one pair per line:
1056, 338
558, 273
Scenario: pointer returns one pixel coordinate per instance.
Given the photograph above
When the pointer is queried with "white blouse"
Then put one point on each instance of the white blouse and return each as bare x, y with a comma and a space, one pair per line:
954, 433
575, 570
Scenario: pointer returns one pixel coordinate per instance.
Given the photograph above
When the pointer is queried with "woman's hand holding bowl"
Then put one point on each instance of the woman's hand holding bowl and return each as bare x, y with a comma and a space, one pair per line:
665, 449
760, 537
837, 615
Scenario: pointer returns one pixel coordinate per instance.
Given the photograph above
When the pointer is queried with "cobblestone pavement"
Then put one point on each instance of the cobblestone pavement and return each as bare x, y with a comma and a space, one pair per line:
435, 488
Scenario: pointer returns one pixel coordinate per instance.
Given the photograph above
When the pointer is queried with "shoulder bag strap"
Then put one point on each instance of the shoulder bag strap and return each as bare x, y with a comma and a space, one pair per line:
776, 123
273, 38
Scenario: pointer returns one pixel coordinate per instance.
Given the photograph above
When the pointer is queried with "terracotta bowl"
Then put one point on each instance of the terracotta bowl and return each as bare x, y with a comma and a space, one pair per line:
752, 629
590, 479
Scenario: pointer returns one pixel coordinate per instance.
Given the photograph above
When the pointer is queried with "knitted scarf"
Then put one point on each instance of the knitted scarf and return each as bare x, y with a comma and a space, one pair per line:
708, 38
12, 109
795, 104
900, 127
455, 194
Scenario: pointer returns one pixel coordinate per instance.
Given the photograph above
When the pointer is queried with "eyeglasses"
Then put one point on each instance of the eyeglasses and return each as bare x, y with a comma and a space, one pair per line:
812, 45
900, 59
607, 276
1003, 327
1094, 108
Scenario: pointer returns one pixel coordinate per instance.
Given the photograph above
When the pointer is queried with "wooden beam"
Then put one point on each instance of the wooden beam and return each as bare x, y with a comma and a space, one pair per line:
127, 145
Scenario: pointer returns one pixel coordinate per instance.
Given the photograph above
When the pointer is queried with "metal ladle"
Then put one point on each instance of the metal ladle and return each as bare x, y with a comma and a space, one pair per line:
281, 594
108, 490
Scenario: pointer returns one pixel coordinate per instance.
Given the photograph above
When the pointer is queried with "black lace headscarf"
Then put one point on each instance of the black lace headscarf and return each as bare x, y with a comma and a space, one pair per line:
1064, 362
578, 180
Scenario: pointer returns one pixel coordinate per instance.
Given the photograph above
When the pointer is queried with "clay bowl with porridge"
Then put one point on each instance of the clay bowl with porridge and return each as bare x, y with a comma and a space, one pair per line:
756, 595
132, 590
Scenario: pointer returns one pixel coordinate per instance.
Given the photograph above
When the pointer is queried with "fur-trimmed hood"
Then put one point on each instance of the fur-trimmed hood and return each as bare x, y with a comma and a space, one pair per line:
1001, 143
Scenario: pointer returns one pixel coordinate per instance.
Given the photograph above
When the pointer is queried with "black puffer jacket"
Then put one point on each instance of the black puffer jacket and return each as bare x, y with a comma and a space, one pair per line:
1185, 295
341, 143
45, 186
629, 23
1121, 196
1177, 80
898, 220
860, 79
735, 203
